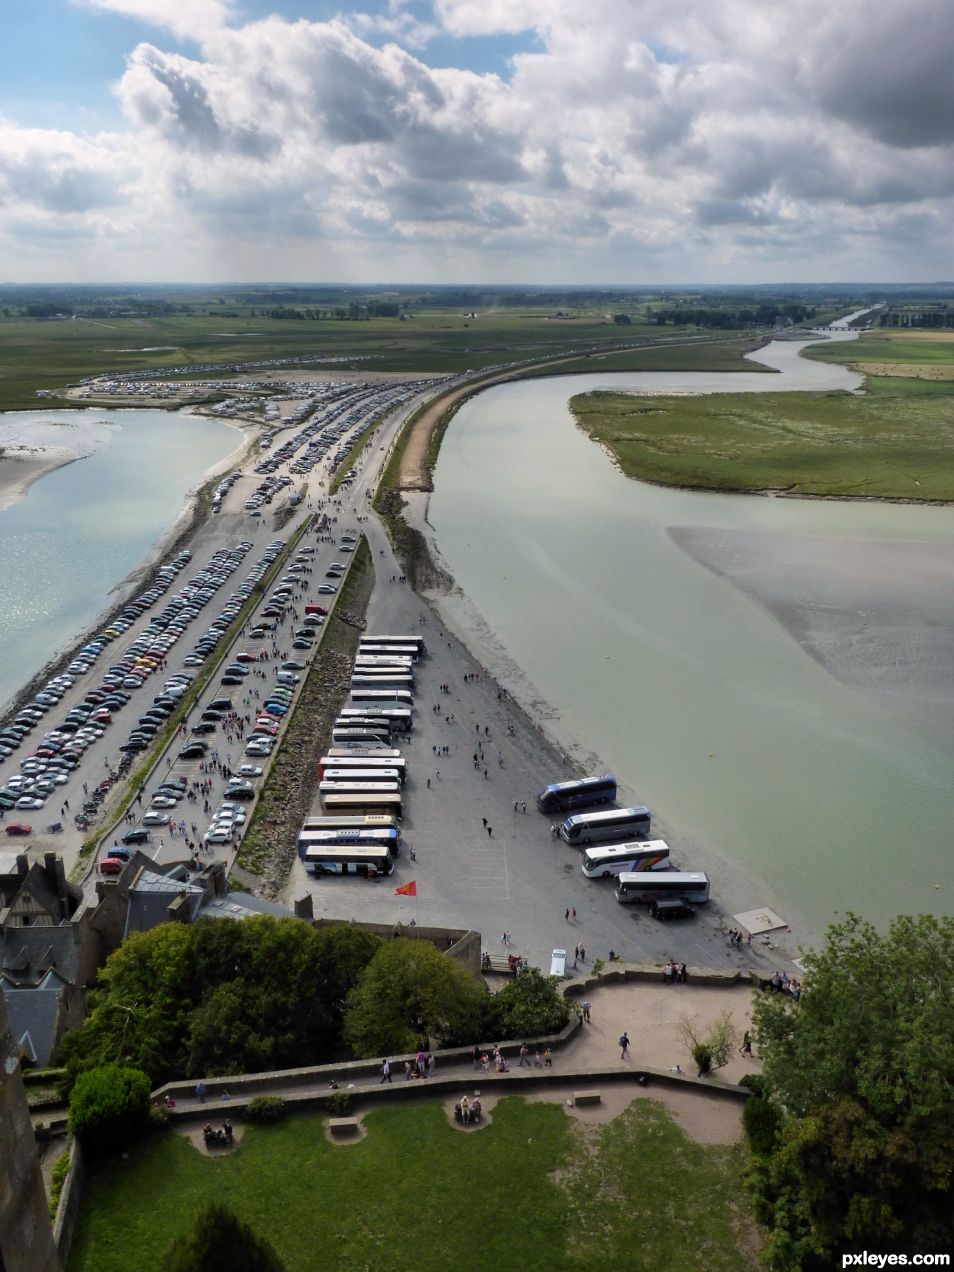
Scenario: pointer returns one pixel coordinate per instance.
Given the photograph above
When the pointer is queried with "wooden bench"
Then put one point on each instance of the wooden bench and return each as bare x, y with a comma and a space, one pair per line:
495, 963
587, 1097
344, 1126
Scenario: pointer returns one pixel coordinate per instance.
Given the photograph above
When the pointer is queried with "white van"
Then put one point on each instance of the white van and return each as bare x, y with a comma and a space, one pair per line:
558, 963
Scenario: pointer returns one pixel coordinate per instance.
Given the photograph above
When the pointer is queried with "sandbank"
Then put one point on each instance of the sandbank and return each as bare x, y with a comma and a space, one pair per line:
21, 466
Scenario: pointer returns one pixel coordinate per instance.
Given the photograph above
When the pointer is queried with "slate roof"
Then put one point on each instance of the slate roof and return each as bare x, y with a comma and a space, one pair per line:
151, 895
33, 1012
242, 905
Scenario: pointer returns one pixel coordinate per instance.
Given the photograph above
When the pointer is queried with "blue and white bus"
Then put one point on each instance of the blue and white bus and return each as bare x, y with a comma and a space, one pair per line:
387, 839
560, 797
349, 860
603, 860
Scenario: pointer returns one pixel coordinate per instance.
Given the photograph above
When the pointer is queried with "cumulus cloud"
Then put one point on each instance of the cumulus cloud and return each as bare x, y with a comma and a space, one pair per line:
642, 140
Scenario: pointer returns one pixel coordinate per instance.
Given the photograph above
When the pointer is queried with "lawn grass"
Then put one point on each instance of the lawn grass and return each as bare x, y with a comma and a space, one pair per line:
893, 354
885, 445
533, 1190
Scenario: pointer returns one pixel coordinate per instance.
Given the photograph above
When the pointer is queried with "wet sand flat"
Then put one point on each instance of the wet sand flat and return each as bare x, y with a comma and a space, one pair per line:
878, 616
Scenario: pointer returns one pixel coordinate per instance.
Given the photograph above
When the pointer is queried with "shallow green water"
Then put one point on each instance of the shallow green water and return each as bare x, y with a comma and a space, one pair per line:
689, 691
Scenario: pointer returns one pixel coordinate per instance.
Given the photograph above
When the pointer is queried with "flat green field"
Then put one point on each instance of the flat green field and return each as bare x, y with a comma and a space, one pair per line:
884, 347
886, 445
533, 1191
704, 353
50, 354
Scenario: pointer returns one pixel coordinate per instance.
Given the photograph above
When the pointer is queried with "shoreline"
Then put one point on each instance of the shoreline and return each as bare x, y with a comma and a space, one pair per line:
22, 466
739, 890
187, 522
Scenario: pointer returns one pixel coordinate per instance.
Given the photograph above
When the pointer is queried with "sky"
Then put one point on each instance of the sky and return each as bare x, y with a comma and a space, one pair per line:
482, 141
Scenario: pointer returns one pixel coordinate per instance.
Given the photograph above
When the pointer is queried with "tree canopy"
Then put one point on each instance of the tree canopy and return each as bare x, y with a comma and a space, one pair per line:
222, 997
861, 1071
407, 994
529, 1006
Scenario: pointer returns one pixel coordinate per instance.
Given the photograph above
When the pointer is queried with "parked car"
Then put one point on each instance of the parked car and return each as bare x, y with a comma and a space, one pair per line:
18, 828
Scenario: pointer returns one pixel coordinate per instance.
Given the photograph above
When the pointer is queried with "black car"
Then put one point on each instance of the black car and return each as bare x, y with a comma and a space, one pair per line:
671, 910
204, 726
193, 751
137, 836
220, 704
230, 680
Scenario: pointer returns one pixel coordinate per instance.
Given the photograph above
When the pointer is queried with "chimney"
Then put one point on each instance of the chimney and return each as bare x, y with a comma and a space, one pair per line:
23, 864
53, 867
305, 907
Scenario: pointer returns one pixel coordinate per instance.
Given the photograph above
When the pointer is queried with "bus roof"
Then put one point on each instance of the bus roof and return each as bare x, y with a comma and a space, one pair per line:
614, 814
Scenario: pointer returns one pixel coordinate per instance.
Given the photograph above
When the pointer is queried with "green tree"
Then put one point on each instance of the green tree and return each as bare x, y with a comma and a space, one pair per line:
139, 1013
529, 1006
109, 1107
218, 1241
408, 993
863, 1069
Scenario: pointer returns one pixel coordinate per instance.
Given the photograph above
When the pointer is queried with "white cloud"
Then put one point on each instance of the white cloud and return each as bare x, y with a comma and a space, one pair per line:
636, 140
186, 19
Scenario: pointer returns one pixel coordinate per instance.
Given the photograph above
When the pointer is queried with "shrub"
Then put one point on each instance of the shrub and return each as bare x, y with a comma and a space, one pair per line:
529, 1007
158, 1117
57, 1180
109, 1107
703, 1058
265, 1108
340, 1103
761, 1121
753, 1082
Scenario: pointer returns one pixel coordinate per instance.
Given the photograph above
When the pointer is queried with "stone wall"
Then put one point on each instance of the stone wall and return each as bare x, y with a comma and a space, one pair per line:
64, 1225
26, 1238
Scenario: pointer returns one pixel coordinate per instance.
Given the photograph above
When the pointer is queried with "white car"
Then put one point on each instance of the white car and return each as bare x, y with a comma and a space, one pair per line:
30, 801
155, 819
250, 770
161, 801
218, 835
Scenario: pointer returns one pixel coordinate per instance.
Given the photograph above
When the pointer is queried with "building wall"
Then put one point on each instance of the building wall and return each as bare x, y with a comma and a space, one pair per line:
26, 1237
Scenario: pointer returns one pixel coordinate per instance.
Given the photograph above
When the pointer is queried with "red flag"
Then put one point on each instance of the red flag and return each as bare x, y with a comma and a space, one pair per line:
407, 889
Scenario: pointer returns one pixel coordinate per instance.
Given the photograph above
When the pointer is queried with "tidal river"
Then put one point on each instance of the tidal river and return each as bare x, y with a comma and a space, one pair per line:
83, 528
767, 674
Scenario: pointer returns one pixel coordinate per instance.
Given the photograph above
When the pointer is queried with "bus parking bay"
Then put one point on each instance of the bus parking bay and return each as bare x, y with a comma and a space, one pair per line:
520, 879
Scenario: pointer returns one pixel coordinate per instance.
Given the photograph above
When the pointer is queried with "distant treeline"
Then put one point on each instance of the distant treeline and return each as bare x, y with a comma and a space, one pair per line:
942, 316
730, 317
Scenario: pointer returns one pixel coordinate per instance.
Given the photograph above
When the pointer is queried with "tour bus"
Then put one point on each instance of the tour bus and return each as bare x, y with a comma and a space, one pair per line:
384, 837
363, 737
376, 724
347, 787
390, 662
361, 681
614, 859
363, 802
350, 821
371, 647
615, 823
390, 641
364, 771
369, 752
399, 718
663, 885
384, 696
368, 861
560, 797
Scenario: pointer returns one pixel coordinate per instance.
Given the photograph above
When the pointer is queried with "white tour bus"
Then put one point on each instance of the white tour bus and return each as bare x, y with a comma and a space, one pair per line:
377, 752
604, 860
401, 718
615, 823
364, 771
384, 837
378, 683
416, 642
663, 885
402, 696
349, 787
371, 647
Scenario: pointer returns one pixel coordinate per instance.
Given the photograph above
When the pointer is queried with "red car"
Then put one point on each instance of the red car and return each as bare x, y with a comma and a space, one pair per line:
111, 865
18, 828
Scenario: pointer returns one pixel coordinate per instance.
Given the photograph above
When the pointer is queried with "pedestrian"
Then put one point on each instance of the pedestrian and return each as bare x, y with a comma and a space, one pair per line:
537, 1059
431, 1064
573, 914
746, 1048
547, 1059
428, 783
576, 954
385, 1071
490, 832
413, 854
583, 957
566, 915
477, 1050
623, 1045
524, 1057
484, 820
587, 1007
200, 1091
